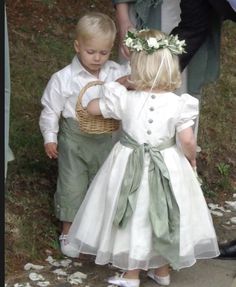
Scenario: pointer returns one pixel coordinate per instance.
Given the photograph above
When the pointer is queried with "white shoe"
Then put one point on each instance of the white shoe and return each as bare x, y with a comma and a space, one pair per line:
161, 280
123, 282
66, 247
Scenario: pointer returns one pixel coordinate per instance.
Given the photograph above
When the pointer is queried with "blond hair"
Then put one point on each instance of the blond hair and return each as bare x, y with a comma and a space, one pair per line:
159, 70
95, 24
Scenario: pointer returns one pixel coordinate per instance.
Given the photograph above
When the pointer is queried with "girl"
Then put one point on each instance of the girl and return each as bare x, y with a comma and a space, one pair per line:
145, 208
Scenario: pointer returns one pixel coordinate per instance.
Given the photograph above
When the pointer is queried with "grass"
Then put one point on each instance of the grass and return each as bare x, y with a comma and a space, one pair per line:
30, 222
217, 133
31, 227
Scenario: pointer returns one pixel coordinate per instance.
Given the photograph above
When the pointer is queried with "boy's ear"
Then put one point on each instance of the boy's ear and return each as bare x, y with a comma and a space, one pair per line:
76, 46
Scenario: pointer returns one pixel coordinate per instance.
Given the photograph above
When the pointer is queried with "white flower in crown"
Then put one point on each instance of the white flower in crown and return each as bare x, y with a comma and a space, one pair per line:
165, 43
128, 42
137, 46
181, 44
136, 43
153, 43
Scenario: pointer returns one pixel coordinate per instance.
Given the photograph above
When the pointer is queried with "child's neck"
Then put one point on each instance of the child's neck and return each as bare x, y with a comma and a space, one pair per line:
96, 74
155, 91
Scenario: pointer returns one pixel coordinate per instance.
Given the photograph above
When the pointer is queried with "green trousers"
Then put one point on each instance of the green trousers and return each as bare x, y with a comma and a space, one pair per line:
80, 157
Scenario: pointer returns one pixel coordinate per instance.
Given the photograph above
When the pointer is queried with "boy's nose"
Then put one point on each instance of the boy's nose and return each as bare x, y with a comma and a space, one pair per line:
97, 57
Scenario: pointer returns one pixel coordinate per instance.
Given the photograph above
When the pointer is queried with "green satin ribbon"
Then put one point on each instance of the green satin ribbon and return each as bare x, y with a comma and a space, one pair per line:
163, 209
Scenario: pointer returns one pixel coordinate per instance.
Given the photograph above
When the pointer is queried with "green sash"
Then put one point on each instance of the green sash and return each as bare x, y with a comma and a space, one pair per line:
163, 209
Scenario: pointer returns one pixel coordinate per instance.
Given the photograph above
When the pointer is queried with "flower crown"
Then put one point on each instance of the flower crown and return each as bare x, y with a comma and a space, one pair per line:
136, 43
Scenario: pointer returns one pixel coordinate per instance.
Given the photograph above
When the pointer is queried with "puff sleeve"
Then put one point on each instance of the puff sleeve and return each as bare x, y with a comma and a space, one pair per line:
112, 100
188, 112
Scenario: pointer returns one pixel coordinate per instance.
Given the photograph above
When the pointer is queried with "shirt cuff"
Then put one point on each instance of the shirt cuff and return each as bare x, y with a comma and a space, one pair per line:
50, 138
185, 126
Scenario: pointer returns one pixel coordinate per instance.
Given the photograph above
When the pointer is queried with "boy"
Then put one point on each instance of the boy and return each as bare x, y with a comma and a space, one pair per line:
79, 154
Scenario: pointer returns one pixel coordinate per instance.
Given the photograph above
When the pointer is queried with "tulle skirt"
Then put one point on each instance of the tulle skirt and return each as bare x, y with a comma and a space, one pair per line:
131, 247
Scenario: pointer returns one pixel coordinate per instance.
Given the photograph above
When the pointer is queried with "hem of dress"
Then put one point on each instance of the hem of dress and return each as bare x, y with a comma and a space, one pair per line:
151, 266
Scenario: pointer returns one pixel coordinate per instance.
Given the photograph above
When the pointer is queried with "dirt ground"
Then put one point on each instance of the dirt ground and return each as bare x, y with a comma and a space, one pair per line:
26, 18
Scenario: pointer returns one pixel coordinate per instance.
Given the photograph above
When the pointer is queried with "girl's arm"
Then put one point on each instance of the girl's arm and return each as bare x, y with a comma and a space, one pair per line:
188, 144
93, 108
125, 81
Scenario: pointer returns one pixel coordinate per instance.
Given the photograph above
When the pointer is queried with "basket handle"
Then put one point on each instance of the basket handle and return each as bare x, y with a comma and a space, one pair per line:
84, 89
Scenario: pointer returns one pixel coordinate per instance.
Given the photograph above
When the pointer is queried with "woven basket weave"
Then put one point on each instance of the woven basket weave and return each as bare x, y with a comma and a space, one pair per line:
93, 124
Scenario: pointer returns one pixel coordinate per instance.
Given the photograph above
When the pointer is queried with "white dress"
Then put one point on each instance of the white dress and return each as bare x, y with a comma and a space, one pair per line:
148, 118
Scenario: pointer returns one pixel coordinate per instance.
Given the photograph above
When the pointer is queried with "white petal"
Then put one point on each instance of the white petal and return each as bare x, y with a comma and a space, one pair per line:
78, 275
43, 283
213, 206
35, 276
233, 220
231, 205
216, 213
65, 263
29, 266
59, 272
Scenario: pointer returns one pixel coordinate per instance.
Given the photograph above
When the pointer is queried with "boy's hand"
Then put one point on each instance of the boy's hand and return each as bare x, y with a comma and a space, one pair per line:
51, 150
125, 82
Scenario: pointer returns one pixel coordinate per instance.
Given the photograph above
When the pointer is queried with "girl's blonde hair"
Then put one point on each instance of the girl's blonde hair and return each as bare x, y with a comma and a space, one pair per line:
95, 24
159, 70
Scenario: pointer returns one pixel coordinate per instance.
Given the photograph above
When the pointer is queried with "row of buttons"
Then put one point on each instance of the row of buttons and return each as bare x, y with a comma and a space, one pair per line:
150, 120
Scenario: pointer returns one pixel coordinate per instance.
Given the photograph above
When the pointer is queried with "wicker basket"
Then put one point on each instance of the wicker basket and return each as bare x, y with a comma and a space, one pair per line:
93, 124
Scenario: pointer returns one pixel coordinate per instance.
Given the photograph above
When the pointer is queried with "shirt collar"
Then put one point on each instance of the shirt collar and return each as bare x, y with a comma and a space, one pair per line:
77, 68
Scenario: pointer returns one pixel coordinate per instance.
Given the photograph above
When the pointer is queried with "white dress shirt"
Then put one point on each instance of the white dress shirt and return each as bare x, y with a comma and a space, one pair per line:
61, 93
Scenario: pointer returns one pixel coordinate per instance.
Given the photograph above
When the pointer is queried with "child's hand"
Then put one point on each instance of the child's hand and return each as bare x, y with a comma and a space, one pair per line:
196, 174
125, 82
193, 163
51, 150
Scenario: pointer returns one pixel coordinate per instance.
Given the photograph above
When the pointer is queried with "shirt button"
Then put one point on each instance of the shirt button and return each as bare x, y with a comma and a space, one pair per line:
150, 121
149, 132
151, 109
153, 96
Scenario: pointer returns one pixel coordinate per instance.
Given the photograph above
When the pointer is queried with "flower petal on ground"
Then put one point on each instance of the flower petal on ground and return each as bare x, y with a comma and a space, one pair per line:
35, 276
29, 266
60, 272
43, 283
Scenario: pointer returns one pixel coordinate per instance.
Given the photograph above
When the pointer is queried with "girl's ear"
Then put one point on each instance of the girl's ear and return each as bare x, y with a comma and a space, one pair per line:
76, 46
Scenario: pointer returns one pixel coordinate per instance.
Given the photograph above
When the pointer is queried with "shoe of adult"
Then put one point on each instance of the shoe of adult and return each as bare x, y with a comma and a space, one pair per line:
228, 250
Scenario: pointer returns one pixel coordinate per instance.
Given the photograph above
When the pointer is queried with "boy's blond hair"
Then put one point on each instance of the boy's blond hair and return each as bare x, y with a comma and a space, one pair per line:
95, 24
159, 70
